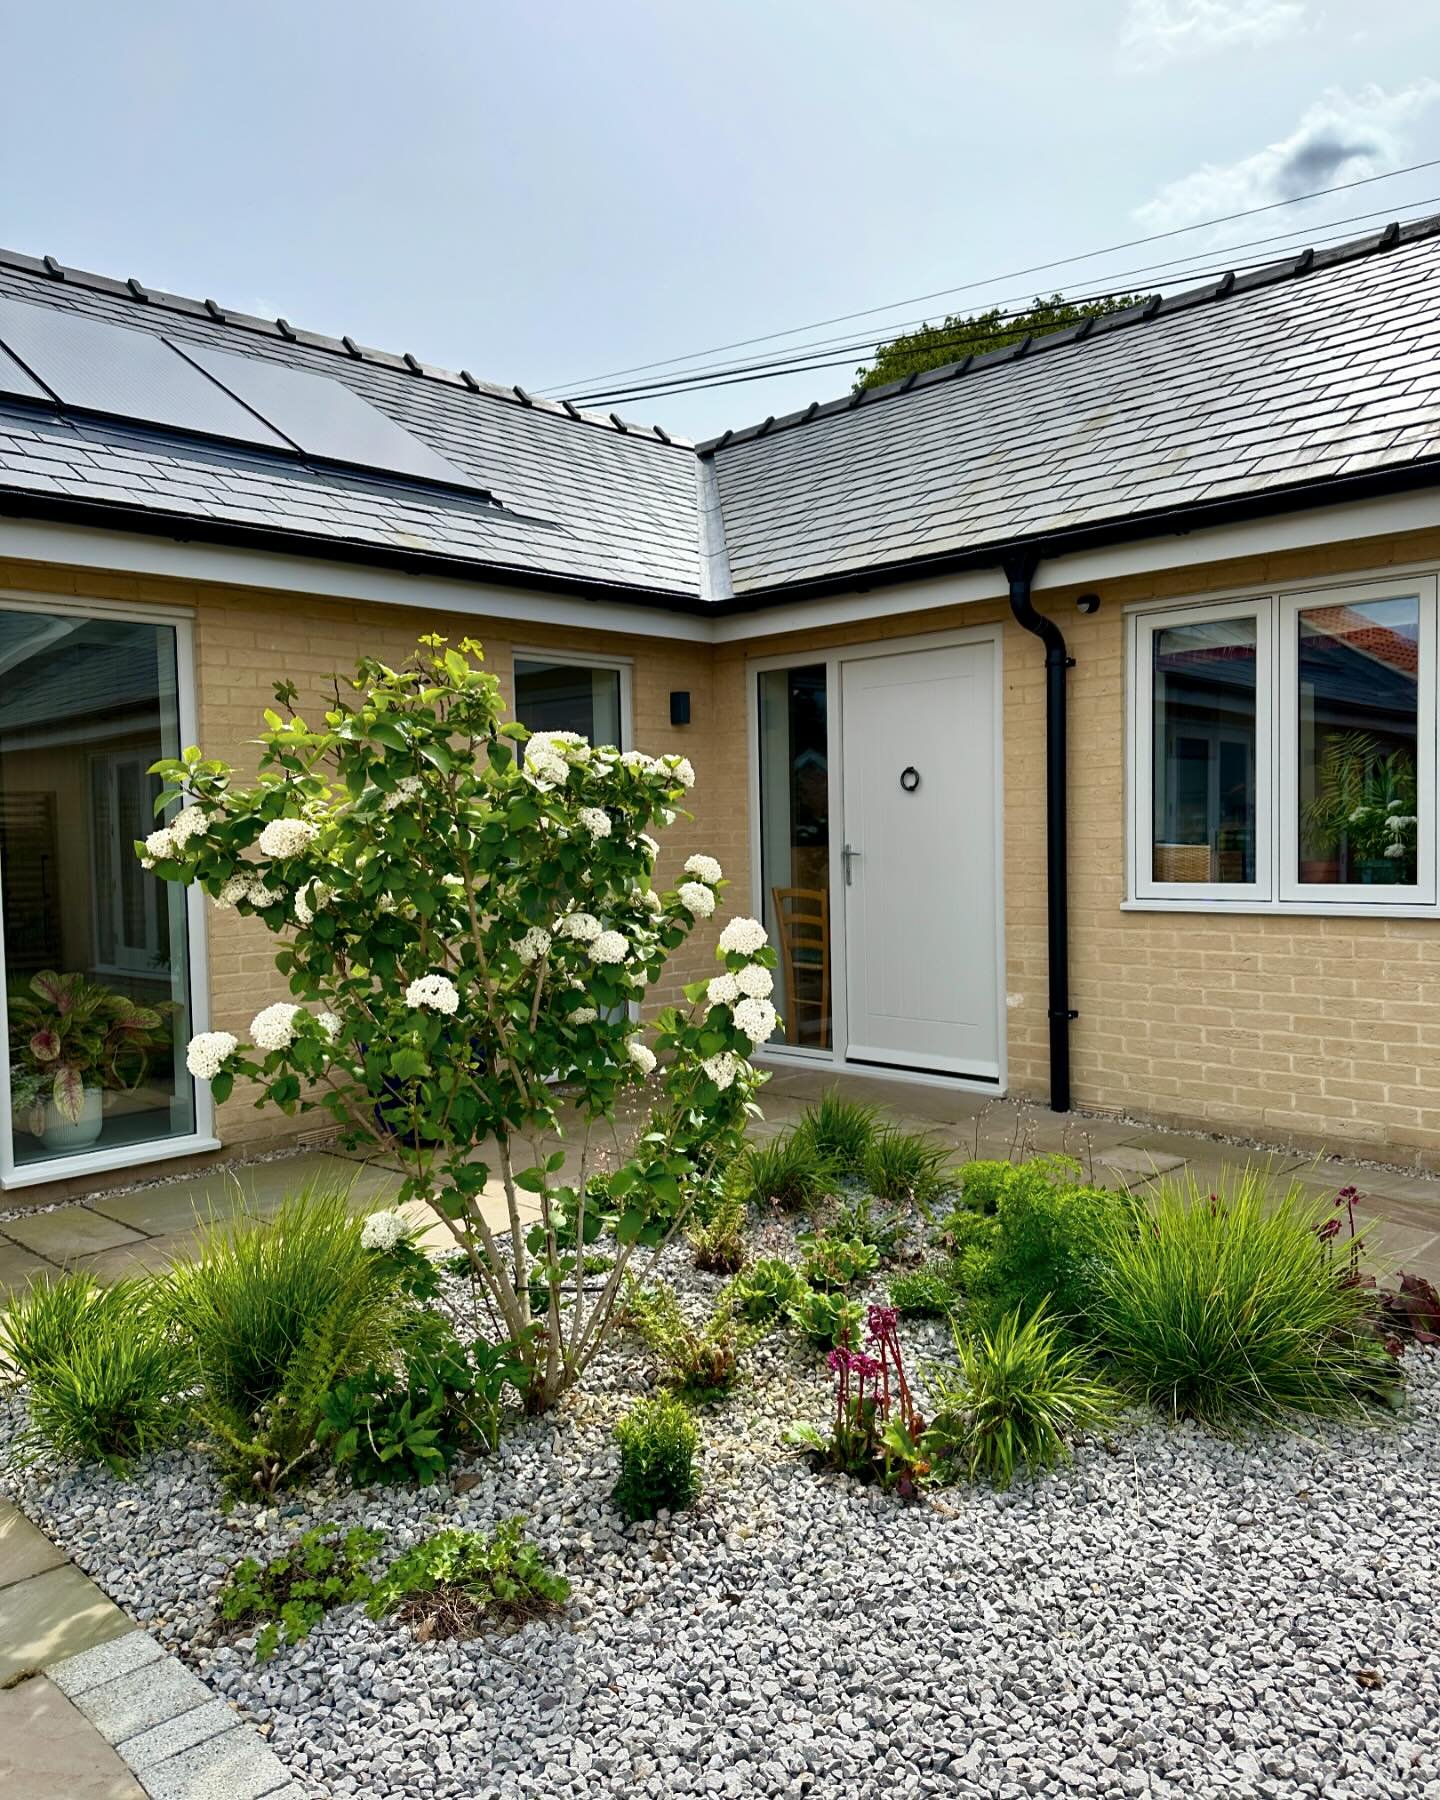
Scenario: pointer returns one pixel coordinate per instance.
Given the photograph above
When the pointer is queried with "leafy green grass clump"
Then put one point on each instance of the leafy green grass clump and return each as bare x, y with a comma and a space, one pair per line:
1020, 1392
840, 1131
906, 1166
658, 1442
458, 1581
1226, 1309
786, 1171
291, 1594
274, 1314
104, 1373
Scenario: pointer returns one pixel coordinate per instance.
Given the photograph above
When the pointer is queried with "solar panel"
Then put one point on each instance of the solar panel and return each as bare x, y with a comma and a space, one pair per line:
15, 380
324, 417
105, 368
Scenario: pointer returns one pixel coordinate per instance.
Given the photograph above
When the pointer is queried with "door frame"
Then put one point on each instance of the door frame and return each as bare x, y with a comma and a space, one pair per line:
833, 658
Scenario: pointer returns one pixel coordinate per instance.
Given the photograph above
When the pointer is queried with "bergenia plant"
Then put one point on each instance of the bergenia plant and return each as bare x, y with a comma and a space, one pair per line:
875, 1427
467, 928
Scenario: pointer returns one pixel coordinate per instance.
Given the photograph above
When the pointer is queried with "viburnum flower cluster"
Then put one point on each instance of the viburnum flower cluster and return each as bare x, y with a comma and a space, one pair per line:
468, 921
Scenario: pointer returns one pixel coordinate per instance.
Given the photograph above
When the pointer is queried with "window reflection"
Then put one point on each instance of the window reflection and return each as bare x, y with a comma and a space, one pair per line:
1204, 751
96, 975
555, 696
795, 847
1359, 667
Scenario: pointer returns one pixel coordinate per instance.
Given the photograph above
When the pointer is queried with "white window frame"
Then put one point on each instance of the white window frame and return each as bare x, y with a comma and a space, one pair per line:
581, 659
1277, 887
202, 1138
1144, 629
1289, 607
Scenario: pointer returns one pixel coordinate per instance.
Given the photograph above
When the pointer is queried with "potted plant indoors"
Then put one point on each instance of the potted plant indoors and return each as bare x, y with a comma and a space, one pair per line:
1361, 824
70, 1040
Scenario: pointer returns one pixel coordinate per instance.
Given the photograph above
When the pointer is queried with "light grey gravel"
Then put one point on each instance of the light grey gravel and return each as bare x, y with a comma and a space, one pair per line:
1171, 1615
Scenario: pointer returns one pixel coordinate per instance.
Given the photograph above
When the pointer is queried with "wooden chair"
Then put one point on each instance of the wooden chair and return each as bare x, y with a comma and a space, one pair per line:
802, 923
1183, 862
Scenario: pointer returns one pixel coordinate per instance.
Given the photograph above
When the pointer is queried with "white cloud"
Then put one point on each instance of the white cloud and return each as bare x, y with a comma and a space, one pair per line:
1341, 137
1162, 31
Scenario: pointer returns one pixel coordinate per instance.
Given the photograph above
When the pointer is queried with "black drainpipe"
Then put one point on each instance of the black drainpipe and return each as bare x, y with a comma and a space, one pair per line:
1020, 572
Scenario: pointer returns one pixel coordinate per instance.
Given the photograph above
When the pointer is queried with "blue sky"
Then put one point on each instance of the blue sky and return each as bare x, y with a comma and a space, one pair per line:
557, 189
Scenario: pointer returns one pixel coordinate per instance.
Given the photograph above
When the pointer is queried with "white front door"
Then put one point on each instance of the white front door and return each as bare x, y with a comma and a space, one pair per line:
919, 780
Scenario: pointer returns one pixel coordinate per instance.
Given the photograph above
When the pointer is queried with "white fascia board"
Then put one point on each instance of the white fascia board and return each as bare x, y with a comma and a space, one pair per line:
123, 552
136, 553
1268, 536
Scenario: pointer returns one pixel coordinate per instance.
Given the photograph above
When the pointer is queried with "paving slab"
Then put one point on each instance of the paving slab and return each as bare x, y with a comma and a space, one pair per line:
237, 1765
18, 1268
104, 1662
53, 1615
68, 1232
1129, 1159
172, 1206
144, 1257
50, 1751
196, 1725
143, 1698
24, 1551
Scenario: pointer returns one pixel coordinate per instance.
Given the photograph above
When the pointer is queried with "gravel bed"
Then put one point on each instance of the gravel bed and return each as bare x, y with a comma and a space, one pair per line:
1173, 1614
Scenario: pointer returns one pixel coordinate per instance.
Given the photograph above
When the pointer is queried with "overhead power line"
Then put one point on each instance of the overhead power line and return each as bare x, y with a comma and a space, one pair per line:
818, 354
803, 362
989, 281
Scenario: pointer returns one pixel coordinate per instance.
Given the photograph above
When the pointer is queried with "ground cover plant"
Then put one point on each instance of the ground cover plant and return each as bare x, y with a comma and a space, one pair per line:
1043, 1246
831, 1262
699, 1361
1225, 1308
457, 1582
719, 1240
827, 1320
658, 1442
466, 919
1017, 1395
762, 1292
291, 1593
884, 1229
934, 1290
102, 1368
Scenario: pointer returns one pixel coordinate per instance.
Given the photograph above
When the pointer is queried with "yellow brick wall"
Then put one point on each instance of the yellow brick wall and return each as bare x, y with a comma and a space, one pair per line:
1318, 1031
245, 642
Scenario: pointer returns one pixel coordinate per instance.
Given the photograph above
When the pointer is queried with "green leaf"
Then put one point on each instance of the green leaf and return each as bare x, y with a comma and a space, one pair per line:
666, 1188
408, 1063
221, 1086
629, 1226
383, 732
532, 1180
555, 1161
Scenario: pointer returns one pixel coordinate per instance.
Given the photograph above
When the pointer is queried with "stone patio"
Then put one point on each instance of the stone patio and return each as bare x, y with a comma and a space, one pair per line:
148, 1227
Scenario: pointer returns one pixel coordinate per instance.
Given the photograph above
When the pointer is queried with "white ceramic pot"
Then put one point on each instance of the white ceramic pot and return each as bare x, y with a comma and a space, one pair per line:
60, 1135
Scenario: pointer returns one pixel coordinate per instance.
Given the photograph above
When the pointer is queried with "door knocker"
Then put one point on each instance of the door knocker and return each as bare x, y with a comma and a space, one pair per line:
909, 779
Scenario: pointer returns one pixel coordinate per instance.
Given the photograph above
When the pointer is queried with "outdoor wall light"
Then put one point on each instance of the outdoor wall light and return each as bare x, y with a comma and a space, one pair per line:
1088, 603
680, 707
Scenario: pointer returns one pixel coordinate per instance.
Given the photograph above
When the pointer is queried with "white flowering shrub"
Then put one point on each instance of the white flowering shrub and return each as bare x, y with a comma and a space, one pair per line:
464, 928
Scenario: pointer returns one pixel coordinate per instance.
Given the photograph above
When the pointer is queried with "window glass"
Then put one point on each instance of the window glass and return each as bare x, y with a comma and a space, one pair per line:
1203, 781
554, 696
795, 847
96, 955
1358, 719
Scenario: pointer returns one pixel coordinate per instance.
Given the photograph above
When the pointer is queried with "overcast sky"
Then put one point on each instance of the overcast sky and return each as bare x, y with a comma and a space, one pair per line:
550, 190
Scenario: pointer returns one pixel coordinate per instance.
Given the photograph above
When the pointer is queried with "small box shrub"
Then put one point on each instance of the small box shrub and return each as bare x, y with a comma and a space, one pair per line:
658, 1442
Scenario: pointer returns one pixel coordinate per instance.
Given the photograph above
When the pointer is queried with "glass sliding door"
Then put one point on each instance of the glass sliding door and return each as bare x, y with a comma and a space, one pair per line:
97, 965
795, 848
566, 696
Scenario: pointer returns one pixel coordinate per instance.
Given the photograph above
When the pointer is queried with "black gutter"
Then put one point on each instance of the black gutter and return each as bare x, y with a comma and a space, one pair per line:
1176, 521
105, 515
1020, 573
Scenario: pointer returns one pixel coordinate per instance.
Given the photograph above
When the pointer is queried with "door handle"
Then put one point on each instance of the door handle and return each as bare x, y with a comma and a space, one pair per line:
849, 856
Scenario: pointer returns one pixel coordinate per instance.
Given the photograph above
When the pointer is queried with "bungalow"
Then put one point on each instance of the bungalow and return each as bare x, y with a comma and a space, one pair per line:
1068, 713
